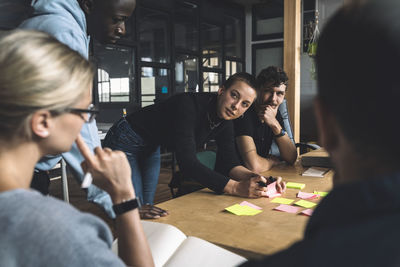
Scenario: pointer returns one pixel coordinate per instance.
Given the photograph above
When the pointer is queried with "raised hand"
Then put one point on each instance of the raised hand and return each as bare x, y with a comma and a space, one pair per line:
110, 170
267, 114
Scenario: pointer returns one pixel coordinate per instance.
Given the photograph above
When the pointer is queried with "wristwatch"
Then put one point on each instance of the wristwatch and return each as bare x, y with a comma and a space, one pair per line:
125, 206
282, 133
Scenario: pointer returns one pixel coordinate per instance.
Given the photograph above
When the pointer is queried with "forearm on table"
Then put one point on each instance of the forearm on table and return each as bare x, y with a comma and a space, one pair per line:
287, 149
258, 164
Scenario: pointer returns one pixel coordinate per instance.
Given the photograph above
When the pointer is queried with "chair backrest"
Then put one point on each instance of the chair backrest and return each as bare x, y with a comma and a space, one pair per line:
180, 185
207, 158
283, 110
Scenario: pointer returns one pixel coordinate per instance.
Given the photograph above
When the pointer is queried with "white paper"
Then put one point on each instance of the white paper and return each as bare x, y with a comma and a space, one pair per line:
315, 172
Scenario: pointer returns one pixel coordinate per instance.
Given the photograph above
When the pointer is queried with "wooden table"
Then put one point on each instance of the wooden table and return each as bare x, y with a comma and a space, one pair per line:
202, 214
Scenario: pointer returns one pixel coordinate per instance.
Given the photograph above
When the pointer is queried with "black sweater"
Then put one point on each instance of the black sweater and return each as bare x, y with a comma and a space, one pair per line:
181, 124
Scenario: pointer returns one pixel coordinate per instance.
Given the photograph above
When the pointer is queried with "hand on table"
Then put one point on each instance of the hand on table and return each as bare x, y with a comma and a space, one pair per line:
110, 170
151, 212
250, 187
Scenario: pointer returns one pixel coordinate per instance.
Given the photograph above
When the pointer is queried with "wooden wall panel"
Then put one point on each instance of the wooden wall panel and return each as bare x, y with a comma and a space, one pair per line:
291, 60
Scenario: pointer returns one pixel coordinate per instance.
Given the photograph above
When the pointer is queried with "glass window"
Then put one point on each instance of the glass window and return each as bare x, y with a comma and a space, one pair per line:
211, 81
154, 85
186, 74
153, 36
231, 67
265, 55
268, 20
186, 29
233, 37
211, 45
114, 72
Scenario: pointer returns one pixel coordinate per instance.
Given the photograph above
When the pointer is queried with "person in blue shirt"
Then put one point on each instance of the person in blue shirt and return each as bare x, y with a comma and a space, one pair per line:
73, 23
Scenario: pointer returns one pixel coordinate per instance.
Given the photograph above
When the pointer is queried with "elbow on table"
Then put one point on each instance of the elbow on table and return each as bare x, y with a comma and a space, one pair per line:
292, 159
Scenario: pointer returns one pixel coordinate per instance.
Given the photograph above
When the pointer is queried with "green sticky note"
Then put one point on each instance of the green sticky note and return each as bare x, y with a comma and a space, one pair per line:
305, 204
295, 185
282, 200
242, 210
322, 194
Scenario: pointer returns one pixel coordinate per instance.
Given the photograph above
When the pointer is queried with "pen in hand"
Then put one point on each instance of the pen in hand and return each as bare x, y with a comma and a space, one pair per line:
270, 181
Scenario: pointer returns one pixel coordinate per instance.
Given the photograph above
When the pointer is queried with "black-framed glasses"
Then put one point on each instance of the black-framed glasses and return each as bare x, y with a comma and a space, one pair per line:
91, 112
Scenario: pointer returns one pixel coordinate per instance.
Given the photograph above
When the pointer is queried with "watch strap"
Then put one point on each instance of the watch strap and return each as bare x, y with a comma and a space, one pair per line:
282, 133
126, 206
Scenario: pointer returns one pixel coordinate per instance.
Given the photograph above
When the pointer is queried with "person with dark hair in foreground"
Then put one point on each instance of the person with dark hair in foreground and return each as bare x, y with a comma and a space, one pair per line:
263, 123
357, 111
184, 123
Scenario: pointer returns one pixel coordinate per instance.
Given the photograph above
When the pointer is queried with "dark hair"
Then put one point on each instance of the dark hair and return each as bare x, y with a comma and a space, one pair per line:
358, 59
271, 76
242, 77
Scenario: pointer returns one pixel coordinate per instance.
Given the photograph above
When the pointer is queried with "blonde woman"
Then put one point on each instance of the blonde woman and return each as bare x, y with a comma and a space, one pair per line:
45, 96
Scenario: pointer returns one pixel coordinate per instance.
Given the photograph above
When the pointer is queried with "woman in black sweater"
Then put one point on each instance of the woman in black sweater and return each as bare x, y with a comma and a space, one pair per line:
184, 123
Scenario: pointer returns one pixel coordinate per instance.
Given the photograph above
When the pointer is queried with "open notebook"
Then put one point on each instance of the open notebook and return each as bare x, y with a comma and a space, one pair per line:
171, 247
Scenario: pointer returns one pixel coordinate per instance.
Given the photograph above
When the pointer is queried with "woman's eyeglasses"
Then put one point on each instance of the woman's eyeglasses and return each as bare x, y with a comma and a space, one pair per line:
90, 112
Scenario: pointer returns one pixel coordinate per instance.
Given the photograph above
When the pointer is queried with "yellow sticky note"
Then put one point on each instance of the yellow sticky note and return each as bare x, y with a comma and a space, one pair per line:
235, 209
322, 194
242, 210
305, 204
295, 185
249, 211
282, 200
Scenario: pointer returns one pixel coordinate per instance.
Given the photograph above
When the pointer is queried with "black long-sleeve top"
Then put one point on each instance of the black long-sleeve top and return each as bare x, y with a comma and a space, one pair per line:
182, 123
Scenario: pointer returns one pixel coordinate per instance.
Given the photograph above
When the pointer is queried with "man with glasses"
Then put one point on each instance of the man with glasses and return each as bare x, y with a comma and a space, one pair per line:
263, 123
73, 23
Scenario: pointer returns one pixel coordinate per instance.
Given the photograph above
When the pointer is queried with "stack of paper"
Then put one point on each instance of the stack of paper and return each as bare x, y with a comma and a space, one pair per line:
295, 185
315, 172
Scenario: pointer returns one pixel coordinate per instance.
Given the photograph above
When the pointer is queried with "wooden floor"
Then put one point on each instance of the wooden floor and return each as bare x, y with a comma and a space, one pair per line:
77, 196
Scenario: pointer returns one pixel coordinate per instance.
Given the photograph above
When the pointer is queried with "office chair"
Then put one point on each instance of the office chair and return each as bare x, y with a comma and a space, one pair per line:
302, 146
180, 185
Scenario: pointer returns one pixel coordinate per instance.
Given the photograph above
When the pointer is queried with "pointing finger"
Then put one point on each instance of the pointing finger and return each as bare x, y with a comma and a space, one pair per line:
85, 150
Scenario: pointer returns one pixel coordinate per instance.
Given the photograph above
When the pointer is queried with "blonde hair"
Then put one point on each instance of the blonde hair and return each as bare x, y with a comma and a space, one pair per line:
37, 72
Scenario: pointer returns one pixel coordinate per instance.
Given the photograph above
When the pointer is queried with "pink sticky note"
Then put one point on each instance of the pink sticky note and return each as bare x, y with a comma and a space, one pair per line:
304, 195
287, 208
271, 190
308, 212
245, 203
